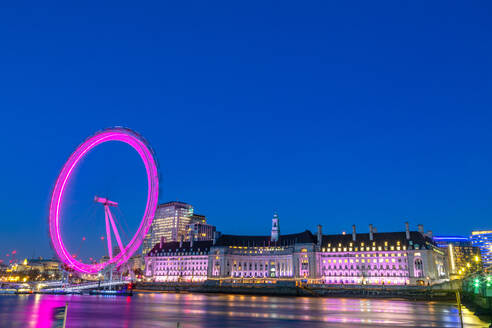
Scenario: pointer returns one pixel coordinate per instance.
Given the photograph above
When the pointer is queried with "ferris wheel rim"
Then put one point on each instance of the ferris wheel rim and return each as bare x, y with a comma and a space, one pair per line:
147, 155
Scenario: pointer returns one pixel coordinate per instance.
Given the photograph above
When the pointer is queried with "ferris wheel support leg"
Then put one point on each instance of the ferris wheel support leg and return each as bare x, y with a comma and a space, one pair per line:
116, 234
108, 233
110, 277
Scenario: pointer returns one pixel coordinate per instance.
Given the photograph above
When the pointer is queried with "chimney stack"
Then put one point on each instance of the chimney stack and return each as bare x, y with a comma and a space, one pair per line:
353, 232
407, 230
421, 229
161, 242
181, 241
371, 236
320, 235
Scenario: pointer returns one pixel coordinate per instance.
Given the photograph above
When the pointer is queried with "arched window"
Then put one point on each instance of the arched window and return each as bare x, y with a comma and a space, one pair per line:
419, 272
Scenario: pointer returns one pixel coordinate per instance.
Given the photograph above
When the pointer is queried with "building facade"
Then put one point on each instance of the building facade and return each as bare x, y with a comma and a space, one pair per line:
176, 221
483, 240
200, 231
395, 258
462, 257
178, 261
170, 222
43, 265
386, 258
258, 257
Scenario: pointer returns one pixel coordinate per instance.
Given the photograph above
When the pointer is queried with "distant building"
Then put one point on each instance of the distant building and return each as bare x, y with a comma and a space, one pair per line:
136, 263
483, 240
392, 258
43, 265
462, 257
176, 221
198, 218
170, 222
200, 232
199, 229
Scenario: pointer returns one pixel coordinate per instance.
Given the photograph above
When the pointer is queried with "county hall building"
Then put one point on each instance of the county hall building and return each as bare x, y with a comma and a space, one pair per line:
389, 258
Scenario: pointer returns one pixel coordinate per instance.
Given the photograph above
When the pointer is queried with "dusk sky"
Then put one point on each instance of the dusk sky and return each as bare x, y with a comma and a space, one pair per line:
332, 113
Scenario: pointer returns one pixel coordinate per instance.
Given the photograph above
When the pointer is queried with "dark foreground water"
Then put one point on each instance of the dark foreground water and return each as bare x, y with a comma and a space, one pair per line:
202, 310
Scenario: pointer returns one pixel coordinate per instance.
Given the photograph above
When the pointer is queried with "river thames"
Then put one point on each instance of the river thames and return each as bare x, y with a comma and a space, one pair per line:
215, 310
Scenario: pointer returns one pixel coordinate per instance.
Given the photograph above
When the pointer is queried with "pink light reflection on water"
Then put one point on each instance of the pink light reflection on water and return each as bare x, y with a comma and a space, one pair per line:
206, 311
41, 309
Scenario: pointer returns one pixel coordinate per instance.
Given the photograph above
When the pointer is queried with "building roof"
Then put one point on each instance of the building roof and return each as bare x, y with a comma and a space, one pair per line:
175, 203
390, 237
304, 237
450, 238
198, 246
260, 241
42, 261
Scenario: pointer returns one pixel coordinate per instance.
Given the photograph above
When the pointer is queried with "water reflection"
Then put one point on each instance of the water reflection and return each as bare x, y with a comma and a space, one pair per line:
201, 311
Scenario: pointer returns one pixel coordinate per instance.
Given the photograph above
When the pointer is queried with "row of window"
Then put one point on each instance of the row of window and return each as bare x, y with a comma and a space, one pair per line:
368, 274
363, 267
177, 267
364, 261
244, 266
174, 261
257, 275
352, 281
181, 273
177, 253
394, 254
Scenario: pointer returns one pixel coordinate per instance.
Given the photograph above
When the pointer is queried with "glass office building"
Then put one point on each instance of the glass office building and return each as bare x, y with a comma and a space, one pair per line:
170, 224
483, 240
462, 256
176, 222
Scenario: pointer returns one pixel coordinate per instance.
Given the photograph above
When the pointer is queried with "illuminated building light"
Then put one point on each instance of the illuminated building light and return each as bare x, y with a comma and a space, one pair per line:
484, 232
328, 268
451, 254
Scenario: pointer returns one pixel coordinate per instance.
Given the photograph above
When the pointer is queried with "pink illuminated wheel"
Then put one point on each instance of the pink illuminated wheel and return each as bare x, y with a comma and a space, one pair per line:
147, 155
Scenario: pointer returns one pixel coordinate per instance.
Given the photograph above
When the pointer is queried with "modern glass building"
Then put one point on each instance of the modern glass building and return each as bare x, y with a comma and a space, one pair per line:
462, 256
200, 231
483, 240
170, 224
175, 222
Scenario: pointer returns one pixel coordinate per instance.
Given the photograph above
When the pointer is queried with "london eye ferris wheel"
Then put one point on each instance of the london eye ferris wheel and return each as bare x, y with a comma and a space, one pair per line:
126, 250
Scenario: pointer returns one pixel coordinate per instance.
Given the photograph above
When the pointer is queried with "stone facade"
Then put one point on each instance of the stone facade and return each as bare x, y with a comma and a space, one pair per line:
383, 258
259, 257
394, 258
173, 262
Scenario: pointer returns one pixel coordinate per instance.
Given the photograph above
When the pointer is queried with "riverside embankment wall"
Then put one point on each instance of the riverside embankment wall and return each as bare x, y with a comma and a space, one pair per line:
407, 292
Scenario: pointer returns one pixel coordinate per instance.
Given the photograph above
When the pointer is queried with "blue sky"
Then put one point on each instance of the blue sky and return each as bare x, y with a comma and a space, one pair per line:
330, 112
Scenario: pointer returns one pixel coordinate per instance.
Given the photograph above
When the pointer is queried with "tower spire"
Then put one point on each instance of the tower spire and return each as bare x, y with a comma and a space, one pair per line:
275, 227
